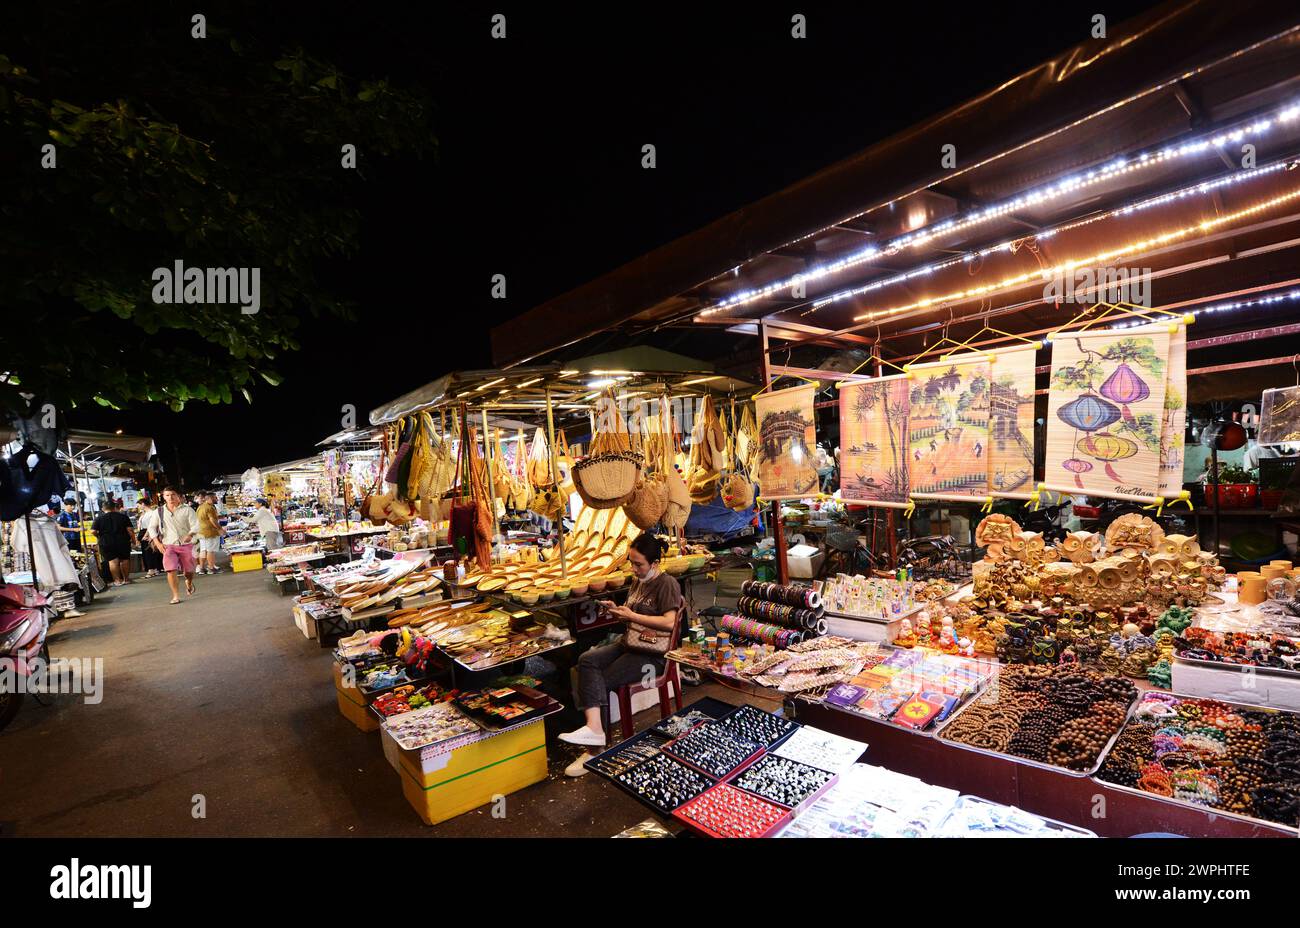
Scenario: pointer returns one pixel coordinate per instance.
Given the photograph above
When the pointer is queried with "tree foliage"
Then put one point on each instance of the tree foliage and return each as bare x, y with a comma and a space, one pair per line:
219, 152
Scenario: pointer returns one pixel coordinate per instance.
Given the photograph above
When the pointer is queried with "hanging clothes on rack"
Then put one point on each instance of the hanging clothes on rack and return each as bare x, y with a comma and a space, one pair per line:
29, 479
54, 565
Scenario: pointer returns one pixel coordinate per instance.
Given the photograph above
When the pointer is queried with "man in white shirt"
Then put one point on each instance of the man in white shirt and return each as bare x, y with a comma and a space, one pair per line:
266, 523
177, 529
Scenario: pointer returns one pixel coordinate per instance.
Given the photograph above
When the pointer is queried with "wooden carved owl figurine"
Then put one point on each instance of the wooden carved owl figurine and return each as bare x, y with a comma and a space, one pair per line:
1080, 547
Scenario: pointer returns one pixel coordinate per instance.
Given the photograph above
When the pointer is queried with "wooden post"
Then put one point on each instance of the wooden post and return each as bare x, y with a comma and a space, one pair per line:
76, 496
778, 529
487, 459
555, 481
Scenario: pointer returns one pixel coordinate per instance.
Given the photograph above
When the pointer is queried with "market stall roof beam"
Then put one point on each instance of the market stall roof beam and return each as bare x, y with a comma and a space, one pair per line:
1088, 103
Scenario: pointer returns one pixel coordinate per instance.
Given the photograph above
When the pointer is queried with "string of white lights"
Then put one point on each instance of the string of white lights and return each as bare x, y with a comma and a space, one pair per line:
1100, 258
1227, 306
1067, 185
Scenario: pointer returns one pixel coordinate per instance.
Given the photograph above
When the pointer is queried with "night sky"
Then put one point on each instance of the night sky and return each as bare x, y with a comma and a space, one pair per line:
539, 177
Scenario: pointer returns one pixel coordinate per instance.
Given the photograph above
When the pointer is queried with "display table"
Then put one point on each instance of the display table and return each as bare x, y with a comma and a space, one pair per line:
1107, 810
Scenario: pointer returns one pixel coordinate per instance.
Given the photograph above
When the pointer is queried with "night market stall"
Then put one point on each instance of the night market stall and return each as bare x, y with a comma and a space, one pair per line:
1047, 374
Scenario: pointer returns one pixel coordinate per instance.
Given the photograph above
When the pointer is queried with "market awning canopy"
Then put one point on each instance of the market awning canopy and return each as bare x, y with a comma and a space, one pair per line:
309, 465
1157, 80
521, 392
100, 447
349, 436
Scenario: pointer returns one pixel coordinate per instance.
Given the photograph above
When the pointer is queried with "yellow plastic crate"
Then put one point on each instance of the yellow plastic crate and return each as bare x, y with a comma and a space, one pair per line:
246, 561
471, 776
352, 705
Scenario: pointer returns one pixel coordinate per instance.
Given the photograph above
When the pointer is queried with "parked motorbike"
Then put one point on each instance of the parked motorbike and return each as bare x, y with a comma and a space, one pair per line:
23, 626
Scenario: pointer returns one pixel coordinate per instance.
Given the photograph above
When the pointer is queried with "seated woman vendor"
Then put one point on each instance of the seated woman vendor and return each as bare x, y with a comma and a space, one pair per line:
654, 603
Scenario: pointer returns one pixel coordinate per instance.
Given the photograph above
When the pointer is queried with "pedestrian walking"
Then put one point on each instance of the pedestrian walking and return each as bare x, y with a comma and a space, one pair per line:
210, 532
116, 538
177, 528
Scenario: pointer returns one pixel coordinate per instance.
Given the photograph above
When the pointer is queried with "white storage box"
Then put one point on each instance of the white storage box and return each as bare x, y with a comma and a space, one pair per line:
804, 561
1232, 683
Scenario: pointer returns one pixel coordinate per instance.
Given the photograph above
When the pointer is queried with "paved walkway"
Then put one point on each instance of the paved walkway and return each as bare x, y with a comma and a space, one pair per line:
222, 697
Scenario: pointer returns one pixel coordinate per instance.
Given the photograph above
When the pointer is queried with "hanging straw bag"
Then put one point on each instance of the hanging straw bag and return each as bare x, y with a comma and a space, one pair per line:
649, 502
606, 478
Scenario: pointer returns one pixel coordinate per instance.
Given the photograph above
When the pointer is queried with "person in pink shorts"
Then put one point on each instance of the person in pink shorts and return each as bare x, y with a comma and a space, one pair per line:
177, 527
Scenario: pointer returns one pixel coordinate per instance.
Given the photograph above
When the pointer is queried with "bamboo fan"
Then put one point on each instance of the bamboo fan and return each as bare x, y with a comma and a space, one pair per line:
747, 439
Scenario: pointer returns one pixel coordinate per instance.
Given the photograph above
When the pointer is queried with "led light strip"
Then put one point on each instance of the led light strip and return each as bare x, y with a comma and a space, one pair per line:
1101, 257
1270, 300
1067, 185
1008, 246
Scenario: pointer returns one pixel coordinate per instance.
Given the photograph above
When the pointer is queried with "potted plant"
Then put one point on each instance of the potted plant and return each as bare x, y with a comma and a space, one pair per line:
1237, 487
1272, 488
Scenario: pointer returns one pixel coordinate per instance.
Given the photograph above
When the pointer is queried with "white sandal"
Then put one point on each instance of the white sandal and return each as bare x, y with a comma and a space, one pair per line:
576, 769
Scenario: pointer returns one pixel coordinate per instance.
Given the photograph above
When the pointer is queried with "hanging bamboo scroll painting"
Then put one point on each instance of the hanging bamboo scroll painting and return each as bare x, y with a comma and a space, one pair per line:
1011, 423
1279, 416
787, 436
873, 441
948, 429
1105, 411
1174, 421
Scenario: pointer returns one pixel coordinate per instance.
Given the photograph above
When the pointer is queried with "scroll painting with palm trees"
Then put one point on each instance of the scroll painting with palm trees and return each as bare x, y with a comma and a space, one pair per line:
873, 441
1105, 415
948, 429
1011, 423
787, 444
1174, 420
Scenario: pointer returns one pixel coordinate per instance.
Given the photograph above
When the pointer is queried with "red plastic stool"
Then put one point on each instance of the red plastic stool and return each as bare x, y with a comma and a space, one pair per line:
625, 692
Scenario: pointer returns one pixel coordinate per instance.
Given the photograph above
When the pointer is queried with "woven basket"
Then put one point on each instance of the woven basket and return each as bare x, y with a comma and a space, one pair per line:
737, 493
703, 485
596, 503
648, 503
605, 480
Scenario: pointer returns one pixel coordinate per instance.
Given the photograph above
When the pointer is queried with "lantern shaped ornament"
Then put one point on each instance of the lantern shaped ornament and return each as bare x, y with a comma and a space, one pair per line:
1125, 387
1107, 447
1088, 413
1077, 466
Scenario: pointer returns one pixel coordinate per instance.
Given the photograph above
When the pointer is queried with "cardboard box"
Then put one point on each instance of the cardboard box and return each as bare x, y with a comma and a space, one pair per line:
251, 560
440, 786
804, 561
305, 622
352, 705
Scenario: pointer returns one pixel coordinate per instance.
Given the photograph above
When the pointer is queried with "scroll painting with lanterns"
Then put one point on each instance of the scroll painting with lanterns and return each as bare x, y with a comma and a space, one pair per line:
948, 429
1174, 421
1105, 413
874, 450
787, 444
1011, 423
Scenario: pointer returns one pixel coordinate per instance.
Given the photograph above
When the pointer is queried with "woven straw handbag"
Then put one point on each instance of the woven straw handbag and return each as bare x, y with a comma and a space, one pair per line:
607, 477
649, 502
